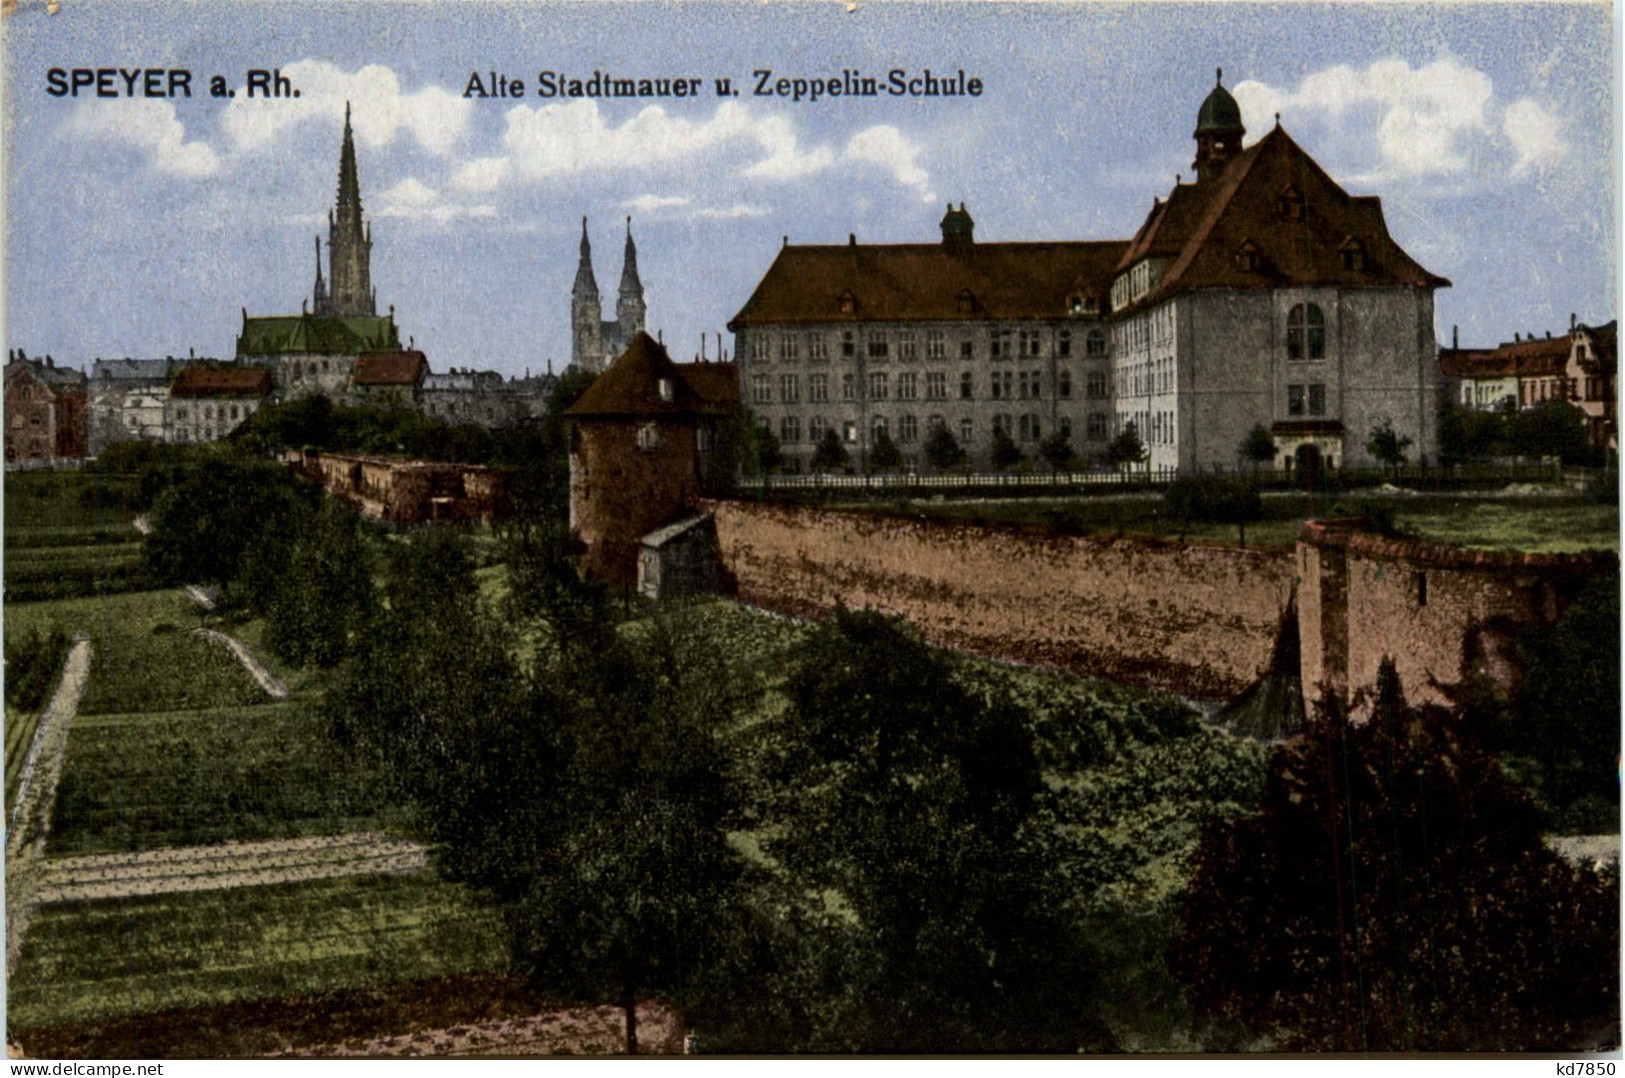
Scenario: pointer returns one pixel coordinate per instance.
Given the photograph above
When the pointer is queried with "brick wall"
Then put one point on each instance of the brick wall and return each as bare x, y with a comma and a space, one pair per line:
1196, 620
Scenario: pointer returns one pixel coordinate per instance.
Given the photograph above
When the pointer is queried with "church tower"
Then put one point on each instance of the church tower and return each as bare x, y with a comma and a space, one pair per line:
629, 307
586, 329
349, 293
1218, 132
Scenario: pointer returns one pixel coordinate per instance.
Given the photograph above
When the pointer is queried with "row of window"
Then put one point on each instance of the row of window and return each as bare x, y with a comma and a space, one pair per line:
1153, 427
906, 345
1142, 379
1002, 385
1023, 428
207, 412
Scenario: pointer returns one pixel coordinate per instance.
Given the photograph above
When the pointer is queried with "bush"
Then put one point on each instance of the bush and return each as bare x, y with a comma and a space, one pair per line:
32, 662
1211, 500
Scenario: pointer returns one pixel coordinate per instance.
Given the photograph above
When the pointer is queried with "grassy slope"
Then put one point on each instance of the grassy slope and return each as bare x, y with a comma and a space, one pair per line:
146, 656
20, 727
1543, 524
94, 960
142, 781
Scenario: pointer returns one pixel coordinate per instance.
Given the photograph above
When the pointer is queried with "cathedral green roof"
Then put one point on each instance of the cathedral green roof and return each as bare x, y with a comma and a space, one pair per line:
307, 334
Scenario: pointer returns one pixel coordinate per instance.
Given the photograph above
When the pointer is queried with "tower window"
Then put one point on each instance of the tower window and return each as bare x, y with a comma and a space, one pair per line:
665, 388
1306, 332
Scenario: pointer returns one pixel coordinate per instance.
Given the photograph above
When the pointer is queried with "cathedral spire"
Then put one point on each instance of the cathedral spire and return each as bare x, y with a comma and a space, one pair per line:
629, 306
586, 284
320, 299
630, 284
349, 242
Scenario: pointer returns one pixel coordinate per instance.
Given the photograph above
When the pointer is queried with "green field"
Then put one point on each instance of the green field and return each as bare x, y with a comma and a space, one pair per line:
1536, 523
66, 501
142, 781
94, 960
146, 657
20, 727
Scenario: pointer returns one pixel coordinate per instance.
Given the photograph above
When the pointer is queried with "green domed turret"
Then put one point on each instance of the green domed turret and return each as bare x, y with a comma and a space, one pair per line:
1218, 133
1219, 115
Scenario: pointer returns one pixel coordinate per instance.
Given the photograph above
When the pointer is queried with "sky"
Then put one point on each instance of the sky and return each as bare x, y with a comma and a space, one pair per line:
144, 227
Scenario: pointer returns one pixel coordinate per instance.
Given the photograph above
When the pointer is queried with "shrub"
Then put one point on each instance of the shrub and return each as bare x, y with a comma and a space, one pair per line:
1212, 500
32, 662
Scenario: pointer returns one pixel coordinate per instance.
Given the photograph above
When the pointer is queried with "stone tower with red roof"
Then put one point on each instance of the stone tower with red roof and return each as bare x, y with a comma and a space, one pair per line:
641, 433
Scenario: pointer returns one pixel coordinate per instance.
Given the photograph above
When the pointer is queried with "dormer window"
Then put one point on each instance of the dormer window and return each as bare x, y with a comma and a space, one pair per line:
1353, 254
966, 302
649, 437
847, 302
1289, 204
665, 389
1247, 257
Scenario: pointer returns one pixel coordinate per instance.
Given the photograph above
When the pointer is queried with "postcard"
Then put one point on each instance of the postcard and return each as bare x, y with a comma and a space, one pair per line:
819, 528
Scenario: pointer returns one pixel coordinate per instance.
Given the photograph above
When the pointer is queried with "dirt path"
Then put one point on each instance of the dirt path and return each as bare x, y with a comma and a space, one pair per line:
201, 596
36, 795
256, 669
568, 1031
228, 865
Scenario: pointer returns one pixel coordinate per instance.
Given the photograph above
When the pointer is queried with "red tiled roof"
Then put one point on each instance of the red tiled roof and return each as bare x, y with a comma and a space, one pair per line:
631, 385
1202, 226
389, 369
927, 282
714, 383
1538, 357
201, 382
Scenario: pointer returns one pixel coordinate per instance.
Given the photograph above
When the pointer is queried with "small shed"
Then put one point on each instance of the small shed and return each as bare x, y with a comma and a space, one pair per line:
679, 559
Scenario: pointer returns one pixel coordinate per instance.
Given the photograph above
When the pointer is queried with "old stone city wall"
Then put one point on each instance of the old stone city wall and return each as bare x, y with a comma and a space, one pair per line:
1440, 612
1200, 621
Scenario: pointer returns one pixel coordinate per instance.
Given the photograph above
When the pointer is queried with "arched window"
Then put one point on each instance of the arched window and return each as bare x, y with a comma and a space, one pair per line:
1305, 332
1095, 344
877, 427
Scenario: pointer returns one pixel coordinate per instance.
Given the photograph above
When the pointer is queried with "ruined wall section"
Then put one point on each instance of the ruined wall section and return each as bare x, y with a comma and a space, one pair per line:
1438, 611
1200, 621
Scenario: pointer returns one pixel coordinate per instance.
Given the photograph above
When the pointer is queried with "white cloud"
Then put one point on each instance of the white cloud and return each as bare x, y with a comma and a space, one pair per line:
1536, 135
552, 141
413, 200
891, 150
1429, 119
481, 174
146, 125
651, 203
434, 117
730, 213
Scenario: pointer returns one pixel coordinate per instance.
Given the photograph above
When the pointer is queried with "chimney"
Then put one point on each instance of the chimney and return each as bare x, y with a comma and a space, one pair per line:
1573, 321
1517, 338
191, 353
851, 239
1455, 336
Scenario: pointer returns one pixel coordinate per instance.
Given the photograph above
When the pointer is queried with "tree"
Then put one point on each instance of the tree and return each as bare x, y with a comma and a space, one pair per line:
1126, 449
212, 510
1387, 446
1393, 894
1556, 429
942, 449
323, 597
1258, 447
830, 455
917, 805
1005, 454
1057, 450
1565, 717
769, 454
1469, 434
884, 454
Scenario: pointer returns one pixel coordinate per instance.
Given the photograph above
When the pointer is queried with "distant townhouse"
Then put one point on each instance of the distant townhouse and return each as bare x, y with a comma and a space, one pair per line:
1593, 369
206, 403
466, 396
47, 411
388, 379
128, 398
1579, 367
